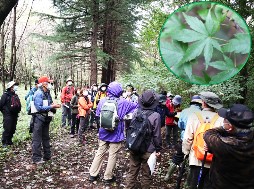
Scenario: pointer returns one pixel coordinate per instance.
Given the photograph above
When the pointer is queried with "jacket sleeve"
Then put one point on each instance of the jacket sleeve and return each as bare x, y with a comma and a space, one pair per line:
157, 133
212, 138
189, 134
38, 103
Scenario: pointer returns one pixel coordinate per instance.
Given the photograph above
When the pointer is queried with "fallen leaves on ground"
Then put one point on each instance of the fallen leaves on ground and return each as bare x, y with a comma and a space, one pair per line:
69, 166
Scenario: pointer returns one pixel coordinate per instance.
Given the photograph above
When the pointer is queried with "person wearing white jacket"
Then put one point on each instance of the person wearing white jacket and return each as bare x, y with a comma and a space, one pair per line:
210, 103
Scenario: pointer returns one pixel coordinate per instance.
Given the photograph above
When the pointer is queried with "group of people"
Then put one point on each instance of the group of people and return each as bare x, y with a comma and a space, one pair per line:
231, 139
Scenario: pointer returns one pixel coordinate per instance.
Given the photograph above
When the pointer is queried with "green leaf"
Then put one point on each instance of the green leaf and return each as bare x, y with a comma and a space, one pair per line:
172, 53
220, 65
208, 51
194, 50
229, 62
206, 77
168, 30
224, 75
187, 36
195, 24
239, 44
188, 69
211, 24
198, 80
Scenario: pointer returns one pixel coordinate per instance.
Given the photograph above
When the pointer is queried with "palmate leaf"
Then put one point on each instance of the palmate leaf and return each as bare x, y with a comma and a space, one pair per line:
220, 13
172, 53
239, 44
201, 36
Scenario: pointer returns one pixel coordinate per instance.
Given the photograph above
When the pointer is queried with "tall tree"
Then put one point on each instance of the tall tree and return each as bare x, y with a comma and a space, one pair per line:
13, 60
94, 39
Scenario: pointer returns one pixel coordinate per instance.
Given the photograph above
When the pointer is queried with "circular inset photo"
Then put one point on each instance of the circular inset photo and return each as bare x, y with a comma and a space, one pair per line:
205, 43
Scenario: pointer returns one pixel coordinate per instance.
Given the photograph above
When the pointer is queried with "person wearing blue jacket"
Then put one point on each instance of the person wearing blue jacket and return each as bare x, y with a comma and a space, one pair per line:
43, 104
195, 106
111, 141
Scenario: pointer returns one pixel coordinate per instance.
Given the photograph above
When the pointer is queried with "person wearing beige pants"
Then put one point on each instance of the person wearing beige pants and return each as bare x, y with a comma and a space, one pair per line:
112, 149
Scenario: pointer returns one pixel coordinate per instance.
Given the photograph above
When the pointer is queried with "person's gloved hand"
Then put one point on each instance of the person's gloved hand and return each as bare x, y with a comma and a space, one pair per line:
178, 158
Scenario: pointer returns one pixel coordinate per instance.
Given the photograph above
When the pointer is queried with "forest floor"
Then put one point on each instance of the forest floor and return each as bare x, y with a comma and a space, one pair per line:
69, 166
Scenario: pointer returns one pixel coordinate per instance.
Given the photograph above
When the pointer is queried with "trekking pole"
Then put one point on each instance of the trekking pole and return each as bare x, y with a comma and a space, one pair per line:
182, 170
201, 170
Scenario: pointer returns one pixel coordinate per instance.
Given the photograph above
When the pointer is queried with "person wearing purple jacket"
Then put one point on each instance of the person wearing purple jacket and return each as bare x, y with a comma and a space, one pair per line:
111, 141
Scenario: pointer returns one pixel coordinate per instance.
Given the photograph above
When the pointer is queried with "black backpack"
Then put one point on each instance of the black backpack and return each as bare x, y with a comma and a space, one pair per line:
139, 133
14, 103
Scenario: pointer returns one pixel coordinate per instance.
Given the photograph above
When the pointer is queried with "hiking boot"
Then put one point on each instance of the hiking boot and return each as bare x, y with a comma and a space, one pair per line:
108, 181
71, 135
92, 178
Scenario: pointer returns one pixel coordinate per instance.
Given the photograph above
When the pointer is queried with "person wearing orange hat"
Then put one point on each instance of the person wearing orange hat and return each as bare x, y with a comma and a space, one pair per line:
42, 117
67, 93
10, 106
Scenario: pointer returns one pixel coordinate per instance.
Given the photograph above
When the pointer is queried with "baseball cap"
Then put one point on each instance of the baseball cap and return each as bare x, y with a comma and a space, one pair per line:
44, 79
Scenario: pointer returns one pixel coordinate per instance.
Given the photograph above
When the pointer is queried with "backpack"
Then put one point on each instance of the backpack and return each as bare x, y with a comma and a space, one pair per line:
198, 142
14, 103
139, 133
108, 117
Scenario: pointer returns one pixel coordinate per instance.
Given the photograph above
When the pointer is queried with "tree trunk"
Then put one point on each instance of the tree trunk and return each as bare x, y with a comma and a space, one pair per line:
5, 8
13, 60
2, 57
93, 57
108, 72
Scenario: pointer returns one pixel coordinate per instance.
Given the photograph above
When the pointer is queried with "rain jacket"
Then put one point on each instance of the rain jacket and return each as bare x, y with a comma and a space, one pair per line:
124, 107
233, 159
38, 97
170, 118
83, 106
67, 94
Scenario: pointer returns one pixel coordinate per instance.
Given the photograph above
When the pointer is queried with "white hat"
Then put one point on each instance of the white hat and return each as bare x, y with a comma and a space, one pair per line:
10, 84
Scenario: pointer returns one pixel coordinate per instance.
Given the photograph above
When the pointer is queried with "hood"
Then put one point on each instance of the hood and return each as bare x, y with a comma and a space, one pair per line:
114, 89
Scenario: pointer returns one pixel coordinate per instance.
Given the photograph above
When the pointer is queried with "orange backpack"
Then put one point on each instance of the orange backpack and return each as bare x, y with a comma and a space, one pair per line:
198, 142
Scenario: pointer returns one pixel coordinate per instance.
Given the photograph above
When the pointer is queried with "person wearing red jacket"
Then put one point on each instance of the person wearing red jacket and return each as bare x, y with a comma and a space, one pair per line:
171, 125
67, 93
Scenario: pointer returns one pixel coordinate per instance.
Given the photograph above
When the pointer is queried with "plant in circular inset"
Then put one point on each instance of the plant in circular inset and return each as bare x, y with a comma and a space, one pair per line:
205, 43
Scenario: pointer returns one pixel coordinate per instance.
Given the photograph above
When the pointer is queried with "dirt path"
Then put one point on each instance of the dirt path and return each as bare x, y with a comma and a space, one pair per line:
68, 167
